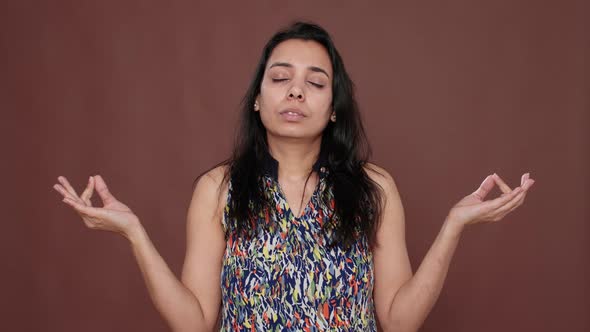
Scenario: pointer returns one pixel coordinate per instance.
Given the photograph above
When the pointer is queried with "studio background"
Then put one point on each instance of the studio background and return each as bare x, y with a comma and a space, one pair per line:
146, 94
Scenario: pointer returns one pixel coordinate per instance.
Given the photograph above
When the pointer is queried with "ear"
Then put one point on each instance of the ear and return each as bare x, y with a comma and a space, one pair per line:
256, 104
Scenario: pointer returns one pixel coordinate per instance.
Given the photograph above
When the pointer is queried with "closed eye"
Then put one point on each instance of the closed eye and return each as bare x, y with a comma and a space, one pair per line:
285, 79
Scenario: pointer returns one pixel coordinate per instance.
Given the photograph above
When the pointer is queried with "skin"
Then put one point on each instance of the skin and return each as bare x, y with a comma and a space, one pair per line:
402, 299
298, 75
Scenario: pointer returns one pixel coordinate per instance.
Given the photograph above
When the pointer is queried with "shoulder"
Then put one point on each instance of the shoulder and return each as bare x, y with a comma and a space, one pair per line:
211, 187
215, 176
383, 178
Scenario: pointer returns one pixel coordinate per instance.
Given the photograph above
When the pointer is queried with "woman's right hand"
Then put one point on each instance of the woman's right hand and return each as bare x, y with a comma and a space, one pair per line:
114, 216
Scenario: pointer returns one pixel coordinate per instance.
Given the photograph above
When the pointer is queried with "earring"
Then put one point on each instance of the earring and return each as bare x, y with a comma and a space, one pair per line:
333, 117
256, 107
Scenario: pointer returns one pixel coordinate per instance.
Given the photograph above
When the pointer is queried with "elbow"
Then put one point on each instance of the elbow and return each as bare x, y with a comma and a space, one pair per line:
184, 327
397, 326
191, 328
399, 322
407, 311
193, 320
193, 324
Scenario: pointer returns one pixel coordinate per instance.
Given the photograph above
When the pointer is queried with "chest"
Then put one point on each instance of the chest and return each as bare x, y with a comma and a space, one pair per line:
292, 253
297, 195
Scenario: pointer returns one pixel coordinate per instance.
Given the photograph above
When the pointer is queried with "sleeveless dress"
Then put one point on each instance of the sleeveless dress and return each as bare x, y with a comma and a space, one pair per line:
286, 278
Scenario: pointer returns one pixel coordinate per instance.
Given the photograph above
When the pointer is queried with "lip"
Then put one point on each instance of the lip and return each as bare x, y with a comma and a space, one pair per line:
292, 115
292, 112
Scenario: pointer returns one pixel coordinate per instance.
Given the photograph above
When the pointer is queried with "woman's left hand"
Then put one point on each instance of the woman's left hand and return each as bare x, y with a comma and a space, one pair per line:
473, 209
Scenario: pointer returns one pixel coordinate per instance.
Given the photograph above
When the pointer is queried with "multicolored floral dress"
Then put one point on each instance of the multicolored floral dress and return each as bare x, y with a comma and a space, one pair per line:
286, 278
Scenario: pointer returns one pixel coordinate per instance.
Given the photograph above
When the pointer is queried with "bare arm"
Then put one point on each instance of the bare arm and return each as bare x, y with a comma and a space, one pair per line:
206, 244
190, 305
193, 303
413, 301
173, 300
403, 300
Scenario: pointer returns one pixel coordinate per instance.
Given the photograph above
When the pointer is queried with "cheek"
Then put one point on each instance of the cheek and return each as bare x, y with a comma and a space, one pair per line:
266, 113
270, 95
322, 102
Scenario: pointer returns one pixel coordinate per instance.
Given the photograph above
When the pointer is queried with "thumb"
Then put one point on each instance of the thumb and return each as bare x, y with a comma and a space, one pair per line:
103, 190
484, 189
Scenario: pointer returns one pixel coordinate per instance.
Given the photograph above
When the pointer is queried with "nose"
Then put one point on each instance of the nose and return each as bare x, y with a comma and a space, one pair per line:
296, 93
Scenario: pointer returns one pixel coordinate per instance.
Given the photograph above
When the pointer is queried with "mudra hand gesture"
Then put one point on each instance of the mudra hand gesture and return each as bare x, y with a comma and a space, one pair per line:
114, 216
473, 209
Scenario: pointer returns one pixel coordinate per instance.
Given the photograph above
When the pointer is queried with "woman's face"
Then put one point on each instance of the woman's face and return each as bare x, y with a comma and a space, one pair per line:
296, 90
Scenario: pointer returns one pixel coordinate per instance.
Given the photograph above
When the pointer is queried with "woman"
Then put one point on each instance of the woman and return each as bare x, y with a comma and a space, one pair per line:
296, 231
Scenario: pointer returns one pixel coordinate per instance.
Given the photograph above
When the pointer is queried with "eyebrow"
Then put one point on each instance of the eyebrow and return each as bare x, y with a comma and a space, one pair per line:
312, 68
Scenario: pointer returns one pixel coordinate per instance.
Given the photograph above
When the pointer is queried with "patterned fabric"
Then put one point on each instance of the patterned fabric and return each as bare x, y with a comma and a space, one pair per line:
286, 279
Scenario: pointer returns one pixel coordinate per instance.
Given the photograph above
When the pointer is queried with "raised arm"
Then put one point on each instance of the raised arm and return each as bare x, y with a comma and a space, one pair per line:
206, 245
193, 304
403, 300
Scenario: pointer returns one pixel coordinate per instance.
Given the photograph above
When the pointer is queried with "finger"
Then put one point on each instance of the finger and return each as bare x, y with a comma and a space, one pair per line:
515, 202
484, 188
87, 194
519, 203
528, 183
522, 195
501, 184
81, 208
525, 182
502, 200
59, 188
67, 185
523, 178
103, 190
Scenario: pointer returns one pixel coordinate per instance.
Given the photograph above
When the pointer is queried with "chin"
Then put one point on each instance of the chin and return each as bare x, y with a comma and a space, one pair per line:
295, 133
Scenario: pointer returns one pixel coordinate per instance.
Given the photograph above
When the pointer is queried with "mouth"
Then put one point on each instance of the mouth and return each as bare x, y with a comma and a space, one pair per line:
292, 112
292, 115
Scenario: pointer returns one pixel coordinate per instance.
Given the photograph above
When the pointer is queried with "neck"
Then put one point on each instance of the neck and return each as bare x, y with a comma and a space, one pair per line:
296, 158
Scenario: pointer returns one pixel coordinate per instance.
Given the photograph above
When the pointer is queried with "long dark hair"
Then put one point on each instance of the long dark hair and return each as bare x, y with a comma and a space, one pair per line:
357, 198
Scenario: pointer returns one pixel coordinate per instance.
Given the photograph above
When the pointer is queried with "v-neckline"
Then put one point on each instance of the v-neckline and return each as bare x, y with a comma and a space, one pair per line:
306, 207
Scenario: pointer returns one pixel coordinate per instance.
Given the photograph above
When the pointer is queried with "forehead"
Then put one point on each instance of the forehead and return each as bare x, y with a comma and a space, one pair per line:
301, 53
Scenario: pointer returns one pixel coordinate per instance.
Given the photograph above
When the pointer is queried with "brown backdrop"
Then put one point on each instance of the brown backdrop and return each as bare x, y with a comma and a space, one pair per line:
145, 93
